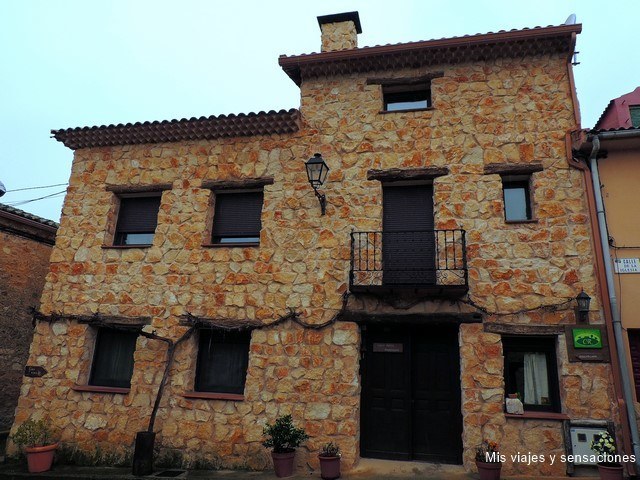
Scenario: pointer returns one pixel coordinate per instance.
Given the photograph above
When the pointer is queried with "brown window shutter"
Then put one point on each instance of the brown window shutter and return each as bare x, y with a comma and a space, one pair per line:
407, 208
138, 214
634, 351
237, 214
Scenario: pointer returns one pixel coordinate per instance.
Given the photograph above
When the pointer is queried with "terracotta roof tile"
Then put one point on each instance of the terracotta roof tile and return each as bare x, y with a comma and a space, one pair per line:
511, 43
27, 215
203, 128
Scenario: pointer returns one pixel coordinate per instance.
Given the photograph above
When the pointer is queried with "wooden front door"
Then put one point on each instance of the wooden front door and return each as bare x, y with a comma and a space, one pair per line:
411, 394
408, 240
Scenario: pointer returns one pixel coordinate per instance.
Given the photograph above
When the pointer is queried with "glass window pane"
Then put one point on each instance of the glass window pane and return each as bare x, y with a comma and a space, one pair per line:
223, 358
516, 202
113, 358
137, 239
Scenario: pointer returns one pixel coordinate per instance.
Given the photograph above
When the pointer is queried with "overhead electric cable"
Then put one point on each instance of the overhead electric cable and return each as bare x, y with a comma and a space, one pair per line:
35, 188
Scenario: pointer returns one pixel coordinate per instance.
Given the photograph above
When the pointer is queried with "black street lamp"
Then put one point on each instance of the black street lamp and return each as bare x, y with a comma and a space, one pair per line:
583, 300
317, 171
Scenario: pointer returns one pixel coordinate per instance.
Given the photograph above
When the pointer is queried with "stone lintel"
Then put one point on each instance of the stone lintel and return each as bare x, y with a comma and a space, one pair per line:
398, 174
235, 184
96, 319
405, 80
512, 168
158, 187
520, 329
411, 318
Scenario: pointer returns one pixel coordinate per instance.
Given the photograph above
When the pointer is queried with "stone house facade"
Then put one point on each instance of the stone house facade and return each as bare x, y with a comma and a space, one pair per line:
26, 241
443, 273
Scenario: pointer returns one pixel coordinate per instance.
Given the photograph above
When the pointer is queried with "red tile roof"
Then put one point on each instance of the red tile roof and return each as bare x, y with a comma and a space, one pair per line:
203, 128
512, 43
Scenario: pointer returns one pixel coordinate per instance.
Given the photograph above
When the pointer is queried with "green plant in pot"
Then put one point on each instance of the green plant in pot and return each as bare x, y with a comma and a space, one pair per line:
36, 438
605, 446
329, 458
283, 437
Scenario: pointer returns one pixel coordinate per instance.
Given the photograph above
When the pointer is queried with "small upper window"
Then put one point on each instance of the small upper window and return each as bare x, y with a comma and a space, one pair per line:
406, 97
237, 217
137, 220
516, 191
530, 371
634, 111
113, 358
223, 358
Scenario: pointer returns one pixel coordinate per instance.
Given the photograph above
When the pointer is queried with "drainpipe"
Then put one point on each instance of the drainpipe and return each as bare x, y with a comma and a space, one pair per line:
615, 309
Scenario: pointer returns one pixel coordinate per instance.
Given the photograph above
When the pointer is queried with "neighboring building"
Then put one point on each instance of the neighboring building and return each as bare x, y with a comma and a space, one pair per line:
25, 246
618, 131
622, 112
455, 239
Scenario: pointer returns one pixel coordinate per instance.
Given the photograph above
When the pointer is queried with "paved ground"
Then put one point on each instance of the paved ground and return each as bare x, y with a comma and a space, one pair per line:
366, 470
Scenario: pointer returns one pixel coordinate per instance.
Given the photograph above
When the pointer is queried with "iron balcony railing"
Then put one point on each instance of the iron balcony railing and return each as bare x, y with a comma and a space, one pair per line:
421, 258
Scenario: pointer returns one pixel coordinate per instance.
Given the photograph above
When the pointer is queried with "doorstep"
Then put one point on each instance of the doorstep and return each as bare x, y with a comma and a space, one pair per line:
367, 469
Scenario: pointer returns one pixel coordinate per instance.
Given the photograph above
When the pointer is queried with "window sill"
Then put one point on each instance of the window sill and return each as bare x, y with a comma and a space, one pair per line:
384, 112
231, 245
124, 247
100, 389
214, 396
511, 222
539, 416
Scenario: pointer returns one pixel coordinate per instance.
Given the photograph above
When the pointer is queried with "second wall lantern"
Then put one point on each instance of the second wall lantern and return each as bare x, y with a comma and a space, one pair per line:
317, 171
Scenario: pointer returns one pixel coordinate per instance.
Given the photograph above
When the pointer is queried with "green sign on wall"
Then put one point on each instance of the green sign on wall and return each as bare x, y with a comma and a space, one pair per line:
587, 338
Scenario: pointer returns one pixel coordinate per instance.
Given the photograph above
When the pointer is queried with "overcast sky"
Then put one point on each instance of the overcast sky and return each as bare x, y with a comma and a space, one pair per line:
81, 63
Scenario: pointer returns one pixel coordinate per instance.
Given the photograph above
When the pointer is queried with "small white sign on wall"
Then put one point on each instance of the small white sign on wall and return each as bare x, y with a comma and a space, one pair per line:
627, 265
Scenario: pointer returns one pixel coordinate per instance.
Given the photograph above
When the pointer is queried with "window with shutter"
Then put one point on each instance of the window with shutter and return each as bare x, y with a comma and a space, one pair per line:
137, 220
406, 97
113, 358
223, 358
236, 217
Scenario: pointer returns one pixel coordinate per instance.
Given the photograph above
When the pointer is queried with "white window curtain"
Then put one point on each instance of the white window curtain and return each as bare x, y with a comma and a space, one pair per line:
536, 382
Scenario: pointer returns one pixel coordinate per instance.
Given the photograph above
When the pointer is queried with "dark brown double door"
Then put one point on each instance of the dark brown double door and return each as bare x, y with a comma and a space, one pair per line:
411, 394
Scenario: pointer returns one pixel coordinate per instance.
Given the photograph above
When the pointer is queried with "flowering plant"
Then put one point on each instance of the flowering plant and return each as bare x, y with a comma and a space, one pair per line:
605, 446
487, 452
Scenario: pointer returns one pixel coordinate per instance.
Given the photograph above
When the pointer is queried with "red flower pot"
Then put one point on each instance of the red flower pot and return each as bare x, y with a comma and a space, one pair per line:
329, 467
610, 472
283, 463
489, 471
40, 459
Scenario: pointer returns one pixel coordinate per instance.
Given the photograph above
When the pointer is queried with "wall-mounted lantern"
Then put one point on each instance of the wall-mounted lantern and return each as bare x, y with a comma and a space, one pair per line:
317, 171
583, 300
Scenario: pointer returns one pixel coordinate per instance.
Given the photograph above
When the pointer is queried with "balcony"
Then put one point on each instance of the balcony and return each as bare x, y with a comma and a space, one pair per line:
425, 262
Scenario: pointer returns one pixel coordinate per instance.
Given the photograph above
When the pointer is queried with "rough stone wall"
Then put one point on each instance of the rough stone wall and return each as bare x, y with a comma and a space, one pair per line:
501, 111
23, 266
339, 36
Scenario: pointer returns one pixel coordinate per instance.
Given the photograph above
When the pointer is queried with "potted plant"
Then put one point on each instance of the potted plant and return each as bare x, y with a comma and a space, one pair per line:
283, 437
36, 438
488, 460
329, 461
605, 446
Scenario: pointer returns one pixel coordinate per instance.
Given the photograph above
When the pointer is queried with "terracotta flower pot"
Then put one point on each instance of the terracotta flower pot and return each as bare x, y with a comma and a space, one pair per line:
283, 463
329, 467
489, 471
40, 459
610, 472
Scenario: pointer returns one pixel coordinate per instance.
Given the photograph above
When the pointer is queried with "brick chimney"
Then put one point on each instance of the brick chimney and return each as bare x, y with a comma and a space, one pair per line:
340, 31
